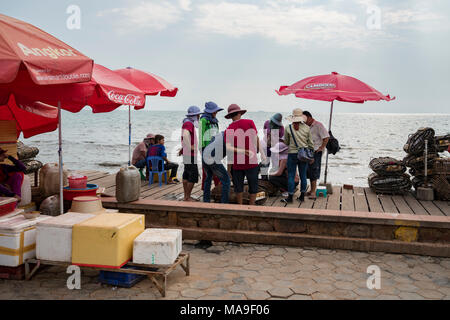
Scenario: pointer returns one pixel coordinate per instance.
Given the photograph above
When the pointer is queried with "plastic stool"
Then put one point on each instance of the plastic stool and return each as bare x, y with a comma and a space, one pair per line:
321, 191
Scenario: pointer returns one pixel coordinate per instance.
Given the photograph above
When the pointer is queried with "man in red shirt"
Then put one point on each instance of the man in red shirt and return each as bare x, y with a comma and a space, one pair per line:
189, 151
241, 138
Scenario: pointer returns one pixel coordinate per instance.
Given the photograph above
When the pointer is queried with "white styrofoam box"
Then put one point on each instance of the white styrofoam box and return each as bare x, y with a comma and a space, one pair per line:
18, 239
54, 236
157, 246
12, 214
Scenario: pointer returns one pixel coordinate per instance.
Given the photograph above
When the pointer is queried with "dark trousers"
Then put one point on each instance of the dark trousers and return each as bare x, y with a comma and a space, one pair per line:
219, 171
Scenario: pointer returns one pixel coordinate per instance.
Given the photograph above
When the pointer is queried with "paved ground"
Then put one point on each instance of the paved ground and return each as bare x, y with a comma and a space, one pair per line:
232, 271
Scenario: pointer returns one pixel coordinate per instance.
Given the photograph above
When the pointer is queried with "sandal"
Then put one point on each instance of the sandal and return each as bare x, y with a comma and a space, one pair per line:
176, 180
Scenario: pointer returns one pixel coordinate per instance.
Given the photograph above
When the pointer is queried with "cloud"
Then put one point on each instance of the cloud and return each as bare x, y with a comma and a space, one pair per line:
284, 21
149, 15
185, 4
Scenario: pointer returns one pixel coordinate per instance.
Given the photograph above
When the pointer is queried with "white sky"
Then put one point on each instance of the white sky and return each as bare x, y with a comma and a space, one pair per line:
241, 51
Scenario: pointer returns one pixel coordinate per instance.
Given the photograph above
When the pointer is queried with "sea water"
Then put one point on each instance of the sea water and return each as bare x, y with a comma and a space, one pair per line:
100, 141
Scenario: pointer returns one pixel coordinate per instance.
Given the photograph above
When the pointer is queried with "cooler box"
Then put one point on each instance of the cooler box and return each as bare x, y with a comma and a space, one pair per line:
14, 213
157, 246
106, 240
18, 240
54, 236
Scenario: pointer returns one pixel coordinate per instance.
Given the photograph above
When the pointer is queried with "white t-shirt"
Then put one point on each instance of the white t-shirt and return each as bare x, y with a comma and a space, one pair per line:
318, 133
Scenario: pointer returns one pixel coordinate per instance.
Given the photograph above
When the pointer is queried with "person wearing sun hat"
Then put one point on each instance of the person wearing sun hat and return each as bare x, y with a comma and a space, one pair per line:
189, 150
270, 126
241, 139
11, 176
279, 178
140, 152
296, 136
208, 128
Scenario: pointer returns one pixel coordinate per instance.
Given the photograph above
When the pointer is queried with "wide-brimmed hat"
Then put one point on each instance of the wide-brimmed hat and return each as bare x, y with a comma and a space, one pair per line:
211, 107
277, 118
234, 108
297, 116
193, 111
280, 147
149, 136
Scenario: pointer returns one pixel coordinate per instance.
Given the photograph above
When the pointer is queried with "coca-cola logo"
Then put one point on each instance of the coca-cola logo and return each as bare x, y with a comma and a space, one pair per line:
126, 99
320, 86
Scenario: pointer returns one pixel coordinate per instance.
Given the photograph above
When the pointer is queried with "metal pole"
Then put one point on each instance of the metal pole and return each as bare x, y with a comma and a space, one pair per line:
61, 180
129, 135
425, 183
329, 129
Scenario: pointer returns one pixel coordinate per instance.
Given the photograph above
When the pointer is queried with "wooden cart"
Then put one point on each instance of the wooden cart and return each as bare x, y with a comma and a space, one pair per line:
156, 273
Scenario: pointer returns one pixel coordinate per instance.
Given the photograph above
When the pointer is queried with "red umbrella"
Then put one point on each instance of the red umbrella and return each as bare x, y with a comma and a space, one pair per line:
30, 119
103, 93
47, 60
28, 52
148, 83
332, 87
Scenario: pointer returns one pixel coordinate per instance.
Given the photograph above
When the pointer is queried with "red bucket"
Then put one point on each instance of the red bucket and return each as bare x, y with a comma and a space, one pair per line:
77, 183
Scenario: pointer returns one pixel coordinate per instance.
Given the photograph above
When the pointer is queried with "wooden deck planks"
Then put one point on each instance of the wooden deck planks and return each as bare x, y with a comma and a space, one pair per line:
401, 204
360, 199
387, 203
444, 206
415, 206
373, 201
320, 203
347, 200
334, 200
431, 208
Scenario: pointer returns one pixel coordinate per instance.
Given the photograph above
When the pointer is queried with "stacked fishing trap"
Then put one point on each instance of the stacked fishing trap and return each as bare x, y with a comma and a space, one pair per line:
389, 176
437, 175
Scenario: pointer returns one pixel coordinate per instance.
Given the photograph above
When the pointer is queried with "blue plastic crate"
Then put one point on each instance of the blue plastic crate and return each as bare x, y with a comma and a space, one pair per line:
120, 279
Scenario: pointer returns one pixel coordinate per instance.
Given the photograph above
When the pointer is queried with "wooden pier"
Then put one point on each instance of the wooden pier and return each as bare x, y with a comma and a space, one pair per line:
358, 199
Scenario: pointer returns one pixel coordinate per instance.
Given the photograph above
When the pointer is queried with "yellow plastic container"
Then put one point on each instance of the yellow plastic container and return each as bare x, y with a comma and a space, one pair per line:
163, 179
106, 240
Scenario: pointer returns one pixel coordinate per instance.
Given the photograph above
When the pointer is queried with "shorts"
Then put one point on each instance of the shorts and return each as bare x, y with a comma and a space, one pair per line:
313, 172
252, 178
190, 173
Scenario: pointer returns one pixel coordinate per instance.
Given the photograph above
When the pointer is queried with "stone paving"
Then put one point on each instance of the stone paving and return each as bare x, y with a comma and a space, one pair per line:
243, 271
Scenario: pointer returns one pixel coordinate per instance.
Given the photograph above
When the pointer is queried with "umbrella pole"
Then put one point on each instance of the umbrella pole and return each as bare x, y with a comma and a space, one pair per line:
129, 135
61, 180
329, 129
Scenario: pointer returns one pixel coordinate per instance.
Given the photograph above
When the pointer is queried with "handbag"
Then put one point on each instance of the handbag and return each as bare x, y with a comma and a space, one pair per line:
304, 154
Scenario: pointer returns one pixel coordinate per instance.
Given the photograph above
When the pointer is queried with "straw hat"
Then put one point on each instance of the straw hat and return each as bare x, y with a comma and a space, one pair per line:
87, 204
297, 116
233, 108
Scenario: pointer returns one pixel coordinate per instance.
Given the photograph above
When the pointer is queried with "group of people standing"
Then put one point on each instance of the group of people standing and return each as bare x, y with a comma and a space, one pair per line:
240, 144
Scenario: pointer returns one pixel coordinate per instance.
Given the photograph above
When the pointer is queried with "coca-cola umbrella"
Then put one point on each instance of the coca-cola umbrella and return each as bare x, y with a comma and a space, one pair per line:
106, 91
29, 51
31, 119
331, 87
150, 84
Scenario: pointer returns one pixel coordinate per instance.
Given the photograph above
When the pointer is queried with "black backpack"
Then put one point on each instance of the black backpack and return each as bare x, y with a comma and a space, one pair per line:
333, 144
